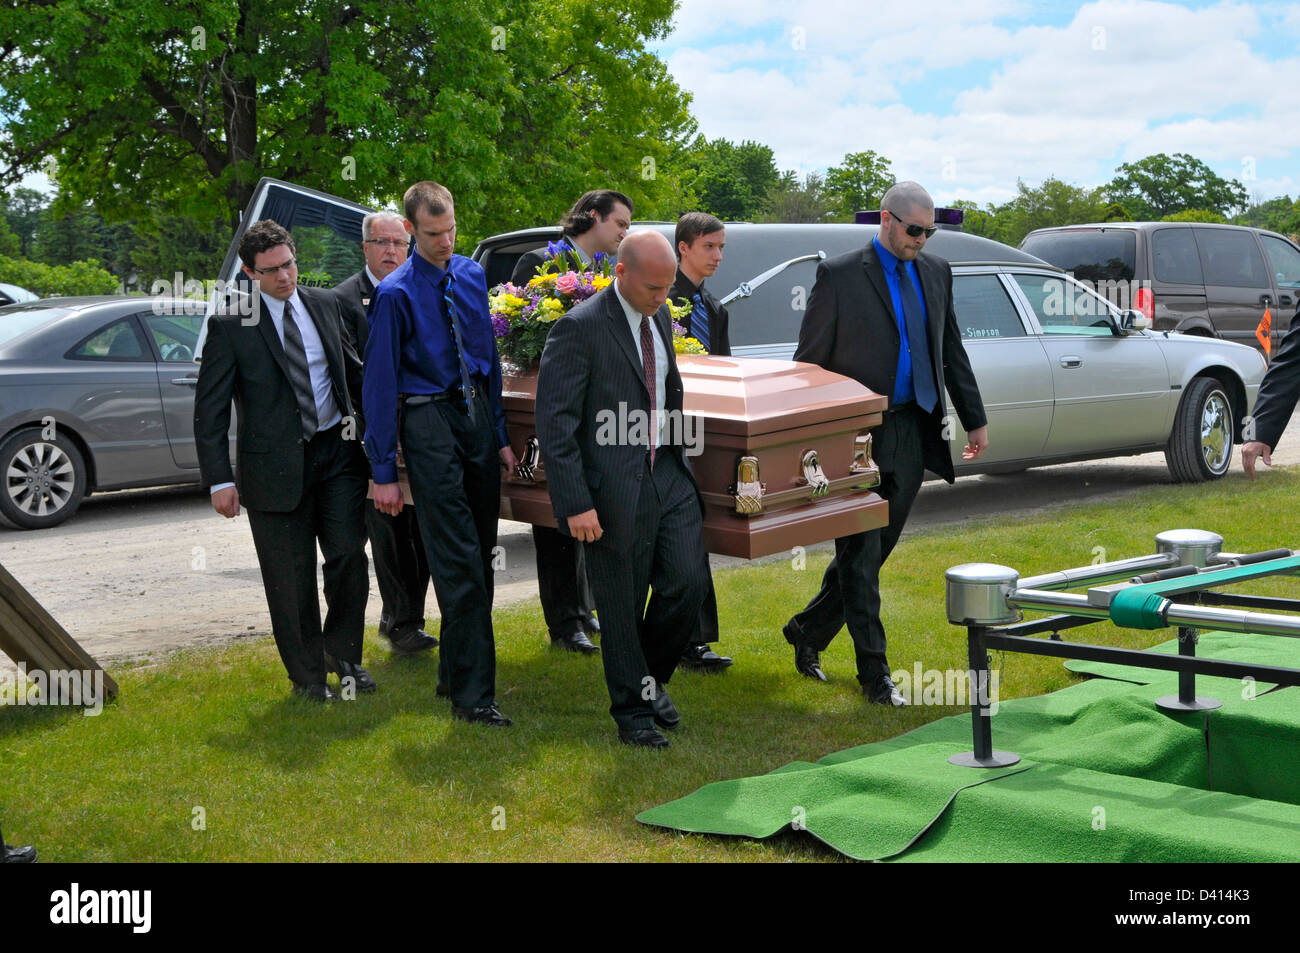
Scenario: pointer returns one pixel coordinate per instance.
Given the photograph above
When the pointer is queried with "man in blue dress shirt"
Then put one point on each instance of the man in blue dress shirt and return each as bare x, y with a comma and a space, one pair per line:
433, 381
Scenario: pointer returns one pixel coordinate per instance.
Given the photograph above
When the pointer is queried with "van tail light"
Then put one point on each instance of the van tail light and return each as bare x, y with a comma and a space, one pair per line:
1145, 301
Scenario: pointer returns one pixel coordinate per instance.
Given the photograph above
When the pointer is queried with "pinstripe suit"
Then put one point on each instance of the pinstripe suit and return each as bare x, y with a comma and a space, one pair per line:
651, 517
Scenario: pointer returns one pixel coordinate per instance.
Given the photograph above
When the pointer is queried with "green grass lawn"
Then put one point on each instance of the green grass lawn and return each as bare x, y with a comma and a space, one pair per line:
392, 777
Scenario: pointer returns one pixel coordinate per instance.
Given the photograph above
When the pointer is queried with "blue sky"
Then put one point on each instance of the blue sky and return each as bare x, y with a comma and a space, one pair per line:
967, 96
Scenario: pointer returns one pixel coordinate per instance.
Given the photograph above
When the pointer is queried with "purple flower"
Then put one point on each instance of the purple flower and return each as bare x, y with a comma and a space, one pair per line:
500, 326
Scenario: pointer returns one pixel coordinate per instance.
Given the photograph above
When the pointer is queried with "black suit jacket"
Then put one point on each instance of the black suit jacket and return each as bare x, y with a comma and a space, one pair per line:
849, 328
1279, 390
246, 363
719, 321
590, 377
354, 296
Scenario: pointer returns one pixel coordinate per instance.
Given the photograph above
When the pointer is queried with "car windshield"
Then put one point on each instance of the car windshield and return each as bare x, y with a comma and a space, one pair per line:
16, 322
1100, 255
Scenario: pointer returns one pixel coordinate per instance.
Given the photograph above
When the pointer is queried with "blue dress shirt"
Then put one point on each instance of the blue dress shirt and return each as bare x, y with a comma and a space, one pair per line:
410, 349
904, 389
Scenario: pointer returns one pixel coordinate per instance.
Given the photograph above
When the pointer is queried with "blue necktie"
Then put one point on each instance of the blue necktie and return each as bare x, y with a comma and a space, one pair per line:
918, 343
457, 340
700, 321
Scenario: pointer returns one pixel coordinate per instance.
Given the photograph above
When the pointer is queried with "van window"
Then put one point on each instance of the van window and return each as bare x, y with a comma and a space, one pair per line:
1174, 255
983, 308
1231, 258
1092, 255
1285, 261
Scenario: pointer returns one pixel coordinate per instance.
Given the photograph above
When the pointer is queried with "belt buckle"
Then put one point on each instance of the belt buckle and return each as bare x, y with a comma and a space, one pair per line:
473, 391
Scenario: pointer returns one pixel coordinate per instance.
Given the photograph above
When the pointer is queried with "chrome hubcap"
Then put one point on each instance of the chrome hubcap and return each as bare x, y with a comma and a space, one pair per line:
40, 479
1216, 432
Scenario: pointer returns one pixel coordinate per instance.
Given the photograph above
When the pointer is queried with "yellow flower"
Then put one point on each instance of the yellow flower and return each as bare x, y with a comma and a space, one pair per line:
688, 345
601, 281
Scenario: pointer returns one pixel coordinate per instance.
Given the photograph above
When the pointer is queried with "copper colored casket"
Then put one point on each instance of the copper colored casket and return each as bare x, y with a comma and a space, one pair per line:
785, 453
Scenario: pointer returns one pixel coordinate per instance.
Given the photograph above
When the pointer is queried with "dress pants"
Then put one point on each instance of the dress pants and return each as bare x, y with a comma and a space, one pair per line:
400, 568
850, 591
330, 511
452, 464
561, 580
666, 553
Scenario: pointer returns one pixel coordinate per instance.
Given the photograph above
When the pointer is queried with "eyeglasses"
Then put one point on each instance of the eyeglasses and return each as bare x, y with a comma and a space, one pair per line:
397, 243
914, 230
267, 272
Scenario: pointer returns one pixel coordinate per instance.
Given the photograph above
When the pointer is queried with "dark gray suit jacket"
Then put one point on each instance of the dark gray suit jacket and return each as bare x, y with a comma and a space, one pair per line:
849, 328
246, 363
1279, 390
590, 375
354, 296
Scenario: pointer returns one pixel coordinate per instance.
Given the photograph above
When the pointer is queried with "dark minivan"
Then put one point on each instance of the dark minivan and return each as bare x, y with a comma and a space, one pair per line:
1215, 280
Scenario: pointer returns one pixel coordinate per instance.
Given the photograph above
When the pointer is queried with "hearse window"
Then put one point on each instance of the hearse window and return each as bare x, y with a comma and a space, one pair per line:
1062, 307
983, 308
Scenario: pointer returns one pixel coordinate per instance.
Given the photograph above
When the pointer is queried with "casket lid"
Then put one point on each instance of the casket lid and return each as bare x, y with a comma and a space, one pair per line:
750, 396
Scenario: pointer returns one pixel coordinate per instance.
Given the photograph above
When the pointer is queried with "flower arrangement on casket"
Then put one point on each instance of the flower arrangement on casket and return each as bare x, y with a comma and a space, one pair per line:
522, 316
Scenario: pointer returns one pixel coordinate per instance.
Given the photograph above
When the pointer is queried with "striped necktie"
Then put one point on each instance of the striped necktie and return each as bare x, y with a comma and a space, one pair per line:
648, 368
299, 375
700, 321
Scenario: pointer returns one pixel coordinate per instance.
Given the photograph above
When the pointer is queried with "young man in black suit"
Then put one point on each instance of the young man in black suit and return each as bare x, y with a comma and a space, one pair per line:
700, 238
609, 418
884, 317
401, 568
594, 225
301, 470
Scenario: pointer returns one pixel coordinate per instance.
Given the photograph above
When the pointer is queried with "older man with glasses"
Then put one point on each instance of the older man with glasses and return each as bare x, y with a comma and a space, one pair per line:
884, 316
401, 568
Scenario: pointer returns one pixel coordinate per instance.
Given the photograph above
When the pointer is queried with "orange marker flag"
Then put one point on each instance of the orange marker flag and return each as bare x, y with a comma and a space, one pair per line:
1264, 333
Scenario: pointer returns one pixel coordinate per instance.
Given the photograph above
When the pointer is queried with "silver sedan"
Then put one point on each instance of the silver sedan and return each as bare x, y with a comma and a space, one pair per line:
96, 393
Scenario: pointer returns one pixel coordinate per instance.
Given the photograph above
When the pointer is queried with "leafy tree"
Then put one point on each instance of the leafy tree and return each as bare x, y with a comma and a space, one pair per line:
1280, 214
1196, 215
1161, 185
977, 220
730, 180
795, 201
76, 278
1052, 203
517, 106
22, 211
858, 183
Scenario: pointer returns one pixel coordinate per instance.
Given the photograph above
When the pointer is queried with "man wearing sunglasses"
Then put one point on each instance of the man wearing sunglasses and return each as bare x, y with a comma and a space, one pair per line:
884, 317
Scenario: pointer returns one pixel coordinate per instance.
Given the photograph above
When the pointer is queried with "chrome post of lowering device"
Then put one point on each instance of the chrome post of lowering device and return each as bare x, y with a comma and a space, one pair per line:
1187, 699
977, 598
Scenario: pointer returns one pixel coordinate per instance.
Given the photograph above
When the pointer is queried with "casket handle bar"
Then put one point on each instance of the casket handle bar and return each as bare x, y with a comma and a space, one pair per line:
813, 475
862, 462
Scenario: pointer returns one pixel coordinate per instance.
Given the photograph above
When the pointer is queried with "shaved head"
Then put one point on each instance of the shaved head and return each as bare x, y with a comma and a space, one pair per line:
646, 270
907, 197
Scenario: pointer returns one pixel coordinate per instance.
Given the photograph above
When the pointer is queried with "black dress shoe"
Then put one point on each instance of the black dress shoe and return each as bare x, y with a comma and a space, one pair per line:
881, 690
17, 855
443, 690
486, 715
362, 680
412, 641
699, 657
808, 662
665, 712
575, 641
316, 693
643, 737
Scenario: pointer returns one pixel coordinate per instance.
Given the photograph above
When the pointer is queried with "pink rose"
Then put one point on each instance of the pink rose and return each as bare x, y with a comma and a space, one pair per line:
567, 283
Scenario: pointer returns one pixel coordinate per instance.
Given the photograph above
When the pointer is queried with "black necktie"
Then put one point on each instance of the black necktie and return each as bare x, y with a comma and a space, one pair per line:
299, 376
918, 343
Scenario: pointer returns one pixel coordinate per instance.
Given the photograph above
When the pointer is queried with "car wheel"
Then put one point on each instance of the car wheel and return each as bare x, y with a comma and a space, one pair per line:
1200, 446
44, 480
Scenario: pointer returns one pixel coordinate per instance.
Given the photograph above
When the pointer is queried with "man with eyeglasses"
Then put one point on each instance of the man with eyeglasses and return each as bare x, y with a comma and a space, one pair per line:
884, 317
301, 472
401, 568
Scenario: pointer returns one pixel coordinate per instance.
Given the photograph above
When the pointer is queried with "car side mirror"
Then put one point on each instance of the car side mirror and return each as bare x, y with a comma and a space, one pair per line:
1131, 320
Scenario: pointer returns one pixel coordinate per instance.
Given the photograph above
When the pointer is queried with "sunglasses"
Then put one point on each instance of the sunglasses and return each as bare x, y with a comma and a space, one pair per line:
916, 231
